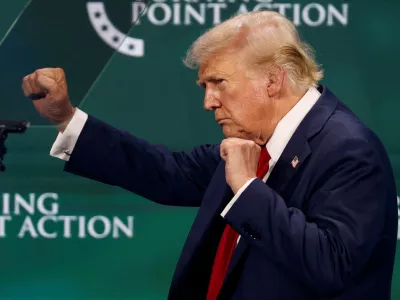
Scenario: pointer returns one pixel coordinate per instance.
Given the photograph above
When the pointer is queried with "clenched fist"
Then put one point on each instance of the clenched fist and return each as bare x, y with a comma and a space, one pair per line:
48, 90
241, 161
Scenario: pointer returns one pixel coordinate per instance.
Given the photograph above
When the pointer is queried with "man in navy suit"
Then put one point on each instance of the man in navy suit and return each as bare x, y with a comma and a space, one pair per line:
299, 200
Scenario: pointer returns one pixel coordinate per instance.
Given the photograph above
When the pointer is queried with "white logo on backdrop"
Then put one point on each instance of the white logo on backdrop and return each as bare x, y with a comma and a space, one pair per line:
200, 12
38, 216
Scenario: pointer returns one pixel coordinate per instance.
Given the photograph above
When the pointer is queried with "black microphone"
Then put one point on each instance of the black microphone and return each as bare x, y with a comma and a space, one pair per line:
13, 126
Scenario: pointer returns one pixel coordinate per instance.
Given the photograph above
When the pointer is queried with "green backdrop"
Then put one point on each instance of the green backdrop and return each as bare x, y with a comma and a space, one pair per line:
65, 237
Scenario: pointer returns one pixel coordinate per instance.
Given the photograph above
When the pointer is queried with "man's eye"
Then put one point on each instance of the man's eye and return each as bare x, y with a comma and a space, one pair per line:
217, 81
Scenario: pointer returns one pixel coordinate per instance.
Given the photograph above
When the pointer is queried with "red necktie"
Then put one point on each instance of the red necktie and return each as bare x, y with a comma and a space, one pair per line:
229, 240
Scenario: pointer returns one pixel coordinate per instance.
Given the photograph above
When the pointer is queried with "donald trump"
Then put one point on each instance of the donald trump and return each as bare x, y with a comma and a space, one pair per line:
297, 202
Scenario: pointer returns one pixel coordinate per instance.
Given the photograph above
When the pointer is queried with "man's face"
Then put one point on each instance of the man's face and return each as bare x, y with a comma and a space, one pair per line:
241, 103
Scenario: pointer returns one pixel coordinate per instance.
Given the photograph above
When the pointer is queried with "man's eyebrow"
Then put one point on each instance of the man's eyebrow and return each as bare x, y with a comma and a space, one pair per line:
200, 82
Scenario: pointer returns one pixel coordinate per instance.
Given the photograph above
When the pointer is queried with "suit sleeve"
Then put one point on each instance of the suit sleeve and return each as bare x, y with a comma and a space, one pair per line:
328, 244
116, 157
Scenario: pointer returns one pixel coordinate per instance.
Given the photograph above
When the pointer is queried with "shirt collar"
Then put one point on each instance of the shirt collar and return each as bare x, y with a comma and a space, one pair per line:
289, 123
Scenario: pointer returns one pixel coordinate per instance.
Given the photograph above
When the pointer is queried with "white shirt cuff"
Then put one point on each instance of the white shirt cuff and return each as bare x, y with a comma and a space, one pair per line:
240, 191
65, 142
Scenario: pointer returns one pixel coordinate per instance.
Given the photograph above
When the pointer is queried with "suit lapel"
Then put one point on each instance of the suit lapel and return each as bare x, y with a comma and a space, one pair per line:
292, 159
298, 149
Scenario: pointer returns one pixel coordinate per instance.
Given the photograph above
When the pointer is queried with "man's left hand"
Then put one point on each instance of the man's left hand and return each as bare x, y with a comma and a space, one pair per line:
241, 160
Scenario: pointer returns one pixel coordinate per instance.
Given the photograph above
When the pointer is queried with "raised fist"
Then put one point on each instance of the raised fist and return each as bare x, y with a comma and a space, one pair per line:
48, 90
241, 161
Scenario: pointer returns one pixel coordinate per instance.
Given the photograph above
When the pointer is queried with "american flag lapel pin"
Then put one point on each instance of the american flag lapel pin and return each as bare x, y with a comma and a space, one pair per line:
295, 161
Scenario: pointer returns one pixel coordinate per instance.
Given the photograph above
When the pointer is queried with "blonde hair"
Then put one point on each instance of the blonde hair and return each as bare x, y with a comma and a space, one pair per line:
267, 38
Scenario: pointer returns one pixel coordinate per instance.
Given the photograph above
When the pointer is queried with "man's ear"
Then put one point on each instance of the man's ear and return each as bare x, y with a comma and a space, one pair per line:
276, 76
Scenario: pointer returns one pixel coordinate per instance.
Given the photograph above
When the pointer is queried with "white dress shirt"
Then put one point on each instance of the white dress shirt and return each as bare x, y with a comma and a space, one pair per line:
65, 142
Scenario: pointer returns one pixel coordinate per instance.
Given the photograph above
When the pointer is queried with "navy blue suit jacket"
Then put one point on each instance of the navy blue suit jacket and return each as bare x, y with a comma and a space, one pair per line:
326, 229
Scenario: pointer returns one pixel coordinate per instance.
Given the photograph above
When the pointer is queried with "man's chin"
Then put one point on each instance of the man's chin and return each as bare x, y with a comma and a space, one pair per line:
229, 132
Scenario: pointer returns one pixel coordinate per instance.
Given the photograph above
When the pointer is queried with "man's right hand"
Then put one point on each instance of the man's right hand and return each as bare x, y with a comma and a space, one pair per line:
48, 90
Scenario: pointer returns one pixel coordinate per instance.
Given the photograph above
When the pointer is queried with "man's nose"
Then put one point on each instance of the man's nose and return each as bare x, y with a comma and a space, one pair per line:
211, 101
